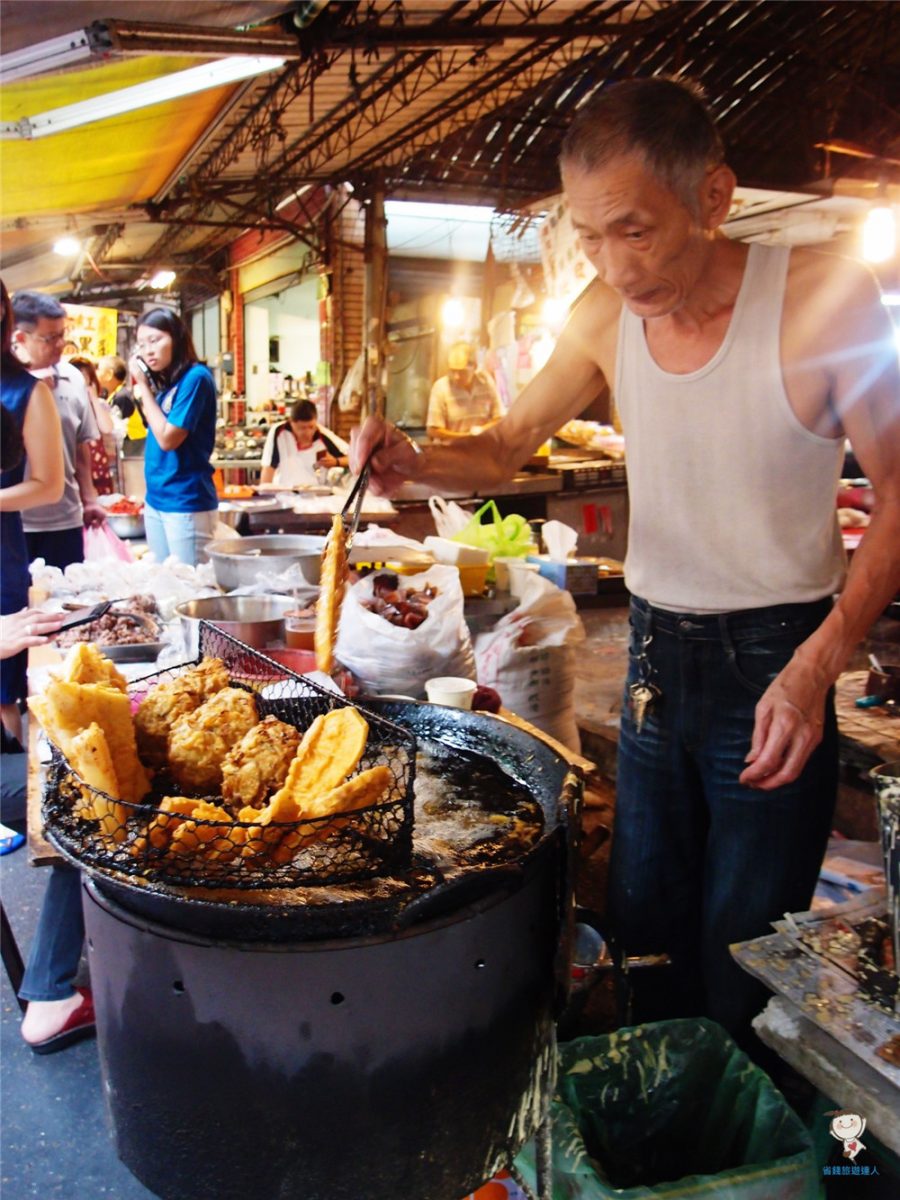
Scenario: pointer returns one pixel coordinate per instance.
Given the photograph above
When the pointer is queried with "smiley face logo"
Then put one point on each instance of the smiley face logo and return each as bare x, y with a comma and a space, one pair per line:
848, 1128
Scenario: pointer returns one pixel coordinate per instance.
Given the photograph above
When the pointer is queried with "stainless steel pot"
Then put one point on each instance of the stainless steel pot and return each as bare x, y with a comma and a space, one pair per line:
254, 620
241, 561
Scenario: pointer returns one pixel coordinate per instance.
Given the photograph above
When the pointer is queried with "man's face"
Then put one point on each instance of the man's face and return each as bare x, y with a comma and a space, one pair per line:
462, 376
41, 346
304, 432
638, 235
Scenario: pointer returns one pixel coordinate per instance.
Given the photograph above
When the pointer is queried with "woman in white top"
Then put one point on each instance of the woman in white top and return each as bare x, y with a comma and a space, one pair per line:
294, 448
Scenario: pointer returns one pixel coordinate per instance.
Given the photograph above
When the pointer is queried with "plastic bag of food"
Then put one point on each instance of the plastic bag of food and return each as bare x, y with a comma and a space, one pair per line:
529, 658
393, 658
101, 543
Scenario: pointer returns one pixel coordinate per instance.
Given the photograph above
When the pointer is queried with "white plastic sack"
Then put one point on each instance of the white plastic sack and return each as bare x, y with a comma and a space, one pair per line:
529, 657
449, 517
387, 658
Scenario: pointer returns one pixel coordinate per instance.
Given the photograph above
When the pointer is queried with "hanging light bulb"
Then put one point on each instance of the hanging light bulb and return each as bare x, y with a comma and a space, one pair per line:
163, 279
879, 234
66, 247
453, 313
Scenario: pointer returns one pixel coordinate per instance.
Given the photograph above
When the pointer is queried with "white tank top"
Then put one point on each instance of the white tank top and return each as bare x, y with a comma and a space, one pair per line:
733, 500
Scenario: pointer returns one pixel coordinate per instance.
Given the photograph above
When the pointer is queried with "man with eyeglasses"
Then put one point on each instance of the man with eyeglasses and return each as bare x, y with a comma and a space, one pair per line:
54, 532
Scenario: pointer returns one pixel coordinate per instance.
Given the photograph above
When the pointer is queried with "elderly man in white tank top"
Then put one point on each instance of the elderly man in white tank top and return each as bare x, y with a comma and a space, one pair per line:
739, 371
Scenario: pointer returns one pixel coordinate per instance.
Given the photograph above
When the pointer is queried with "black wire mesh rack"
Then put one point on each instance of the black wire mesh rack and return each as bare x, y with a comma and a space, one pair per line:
191, 840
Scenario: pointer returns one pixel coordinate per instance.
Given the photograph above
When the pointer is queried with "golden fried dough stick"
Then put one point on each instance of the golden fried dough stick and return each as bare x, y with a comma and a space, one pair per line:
199, 741
162, 707
89, 755
331, 748
332, 579
172, 811
66, 709
367, 788
259, 763
85, 664
214, 843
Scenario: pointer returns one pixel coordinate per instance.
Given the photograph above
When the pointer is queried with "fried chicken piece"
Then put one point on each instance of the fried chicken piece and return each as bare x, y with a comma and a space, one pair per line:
199, 741
258, 764
168, 702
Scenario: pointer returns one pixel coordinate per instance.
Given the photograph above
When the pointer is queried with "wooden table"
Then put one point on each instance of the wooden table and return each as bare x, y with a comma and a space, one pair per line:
820, 1023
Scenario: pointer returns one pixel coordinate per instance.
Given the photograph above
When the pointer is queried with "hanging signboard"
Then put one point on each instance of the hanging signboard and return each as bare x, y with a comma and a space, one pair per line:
90, 331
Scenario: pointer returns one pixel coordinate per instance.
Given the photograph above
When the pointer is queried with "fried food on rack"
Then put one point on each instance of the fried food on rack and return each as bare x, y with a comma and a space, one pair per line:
219, 842
199, 741
90, 756
332, 579
66, 709
331, 748
171, 812
85, 664
365, 789
258, 764
162, 707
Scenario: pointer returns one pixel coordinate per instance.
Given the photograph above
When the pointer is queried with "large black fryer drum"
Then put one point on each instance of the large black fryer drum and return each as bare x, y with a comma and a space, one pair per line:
414, 1059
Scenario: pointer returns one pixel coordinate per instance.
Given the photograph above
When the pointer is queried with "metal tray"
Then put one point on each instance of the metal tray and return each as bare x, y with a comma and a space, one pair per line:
133, 652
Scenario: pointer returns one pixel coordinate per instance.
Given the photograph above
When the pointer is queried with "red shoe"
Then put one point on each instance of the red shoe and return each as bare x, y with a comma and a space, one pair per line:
79, 1025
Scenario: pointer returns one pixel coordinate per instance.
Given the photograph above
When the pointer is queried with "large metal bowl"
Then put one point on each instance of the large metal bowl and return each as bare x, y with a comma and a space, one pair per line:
254, 620
126, 525
241, 561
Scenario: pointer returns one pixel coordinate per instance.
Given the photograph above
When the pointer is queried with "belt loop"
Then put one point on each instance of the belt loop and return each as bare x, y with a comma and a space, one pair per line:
725, 635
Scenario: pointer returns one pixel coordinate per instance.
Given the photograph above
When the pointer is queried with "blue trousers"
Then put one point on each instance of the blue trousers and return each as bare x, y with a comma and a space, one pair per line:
183, 534
56, 950
699, 861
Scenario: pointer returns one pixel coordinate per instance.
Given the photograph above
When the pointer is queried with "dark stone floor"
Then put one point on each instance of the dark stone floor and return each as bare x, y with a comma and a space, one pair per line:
54, 1139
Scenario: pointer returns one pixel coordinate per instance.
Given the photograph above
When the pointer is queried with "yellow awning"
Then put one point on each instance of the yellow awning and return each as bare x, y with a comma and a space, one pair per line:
109, 163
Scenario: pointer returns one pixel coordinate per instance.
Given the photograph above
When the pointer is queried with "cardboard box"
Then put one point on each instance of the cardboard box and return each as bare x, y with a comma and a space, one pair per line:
578, 576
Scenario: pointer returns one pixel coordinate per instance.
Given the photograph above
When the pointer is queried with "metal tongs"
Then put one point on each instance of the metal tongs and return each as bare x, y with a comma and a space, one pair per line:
357, 494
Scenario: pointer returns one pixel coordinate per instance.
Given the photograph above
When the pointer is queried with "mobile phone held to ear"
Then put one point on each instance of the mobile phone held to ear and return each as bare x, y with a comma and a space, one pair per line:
153, 380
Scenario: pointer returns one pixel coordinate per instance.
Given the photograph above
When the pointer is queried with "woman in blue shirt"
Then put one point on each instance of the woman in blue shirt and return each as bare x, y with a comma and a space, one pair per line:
178, 400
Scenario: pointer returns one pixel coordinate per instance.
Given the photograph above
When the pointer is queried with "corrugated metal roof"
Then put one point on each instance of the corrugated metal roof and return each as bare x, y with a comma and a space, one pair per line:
468, 101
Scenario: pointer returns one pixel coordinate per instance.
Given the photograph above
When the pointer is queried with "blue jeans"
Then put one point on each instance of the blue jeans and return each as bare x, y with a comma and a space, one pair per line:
699, 861
56, 950
179, 533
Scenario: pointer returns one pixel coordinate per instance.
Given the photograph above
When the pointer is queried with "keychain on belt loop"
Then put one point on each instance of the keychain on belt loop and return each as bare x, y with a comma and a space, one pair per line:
643, 694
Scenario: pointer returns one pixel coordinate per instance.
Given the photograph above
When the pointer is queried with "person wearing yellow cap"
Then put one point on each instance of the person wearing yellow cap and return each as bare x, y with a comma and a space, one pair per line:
463, 401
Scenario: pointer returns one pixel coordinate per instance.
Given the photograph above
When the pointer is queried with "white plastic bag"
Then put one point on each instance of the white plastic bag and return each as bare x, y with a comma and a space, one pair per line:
529, 658
387, 658
449, 517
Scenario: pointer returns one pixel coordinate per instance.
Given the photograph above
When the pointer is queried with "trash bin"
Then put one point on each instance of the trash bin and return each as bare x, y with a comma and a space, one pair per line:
672, 1109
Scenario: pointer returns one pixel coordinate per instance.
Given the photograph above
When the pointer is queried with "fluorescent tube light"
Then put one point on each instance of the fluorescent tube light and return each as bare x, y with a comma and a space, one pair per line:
163, 279
46, 56
142, 95
879, 234
66, 247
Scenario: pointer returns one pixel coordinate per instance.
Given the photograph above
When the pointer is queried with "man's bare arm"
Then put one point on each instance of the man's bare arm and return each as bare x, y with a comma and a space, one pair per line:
568, 382
865, 392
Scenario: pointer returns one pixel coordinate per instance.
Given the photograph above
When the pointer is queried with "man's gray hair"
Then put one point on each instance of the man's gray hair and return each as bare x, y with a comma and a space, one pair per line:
31, 307
664, 121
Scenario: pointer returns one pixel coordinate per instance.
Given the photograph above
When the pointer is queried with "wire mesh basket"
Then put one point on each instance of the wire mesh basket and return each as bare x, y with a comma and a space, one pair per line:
190, 840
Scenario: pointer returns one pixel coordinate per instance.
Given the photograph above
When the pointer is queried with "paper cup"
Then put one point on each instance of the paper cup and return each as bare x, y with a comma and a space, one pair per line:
518, 575
501, 570
451, 690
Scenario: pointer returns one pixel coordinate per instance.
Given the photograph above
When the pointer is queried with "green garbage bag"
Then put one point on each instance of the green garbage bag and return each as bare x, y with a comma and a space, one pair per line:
504, 537
671, 1109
